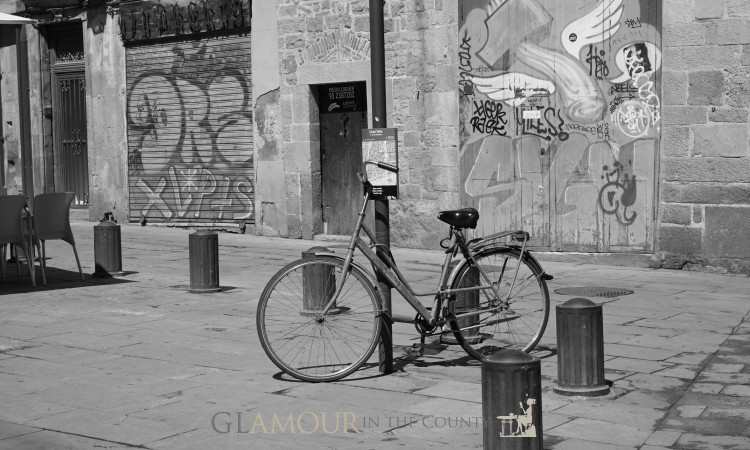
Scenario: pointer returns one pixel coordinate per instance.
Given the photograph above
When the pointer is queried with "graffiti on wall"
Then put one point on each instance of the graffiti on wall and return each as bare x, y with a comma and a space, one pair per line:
190, 137
560, 117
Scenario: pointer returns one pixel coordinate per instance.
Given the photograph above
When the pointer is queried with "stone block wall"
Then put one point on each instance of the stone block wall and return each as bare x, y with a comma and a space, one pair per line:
422, 101
705, 161
421, 68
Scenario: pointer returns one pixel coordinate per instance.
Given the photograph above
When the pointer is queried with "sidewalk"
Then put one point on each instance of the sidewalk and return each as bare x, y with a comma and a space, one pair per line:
138, 362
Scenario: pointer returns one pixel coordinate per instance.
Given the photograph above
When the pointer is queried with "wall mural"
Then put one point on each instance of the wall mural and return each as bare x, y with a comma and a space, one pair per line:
189, 114
560, 118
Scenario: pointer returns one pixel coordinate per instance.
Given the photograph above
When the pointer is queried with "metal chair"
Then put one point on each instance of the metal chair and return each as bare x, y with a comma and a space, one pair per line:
52, 221
14, 231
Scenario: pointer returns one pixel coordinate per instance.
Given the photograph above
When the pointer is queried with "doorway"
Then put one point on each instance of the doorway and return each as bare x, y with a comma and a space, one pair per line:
343, 115
69, 132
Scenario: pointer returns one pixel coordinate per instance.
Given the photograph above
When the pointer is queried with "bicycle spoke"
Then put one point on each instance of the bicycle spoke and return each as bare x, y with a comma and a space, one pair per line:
498, 317
306, 344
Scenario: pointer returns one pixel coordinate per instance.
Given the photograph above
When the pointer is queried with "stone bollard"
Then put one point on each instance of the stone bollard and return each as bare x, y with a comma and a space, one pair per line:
512, 401
318, 282
580, 349
204, 261
107, 247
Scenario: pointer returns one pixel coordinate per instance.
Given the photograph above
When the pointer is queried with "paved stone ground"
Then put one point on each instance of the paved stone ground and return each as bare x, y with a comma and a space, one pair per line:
139, 363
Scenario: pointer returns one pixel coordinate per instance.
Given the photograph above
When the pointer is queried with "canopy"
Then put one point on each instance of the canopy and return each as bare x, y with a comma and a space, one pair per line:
10, 19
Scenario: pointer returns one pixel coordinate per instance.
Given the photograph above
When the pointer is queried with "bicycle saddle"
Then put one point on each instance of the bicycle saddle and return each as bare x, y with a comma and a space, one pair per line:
460, 218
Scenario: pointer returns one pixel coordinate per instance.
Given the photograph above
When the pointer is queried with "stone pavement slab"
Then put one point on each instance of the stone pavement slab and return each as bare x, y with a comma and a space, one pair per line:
142, 363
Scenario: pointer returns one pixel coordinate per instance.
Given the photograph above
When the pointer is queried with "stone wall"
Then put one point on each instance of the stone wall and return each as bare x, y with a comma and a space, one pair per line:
422, 70
421, 76
705, 162
107, 134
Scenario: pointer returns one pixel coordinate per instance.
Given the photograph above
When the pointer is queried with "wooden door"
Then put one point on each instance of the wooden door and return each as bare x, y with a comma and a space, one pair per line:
342, 117
560, 119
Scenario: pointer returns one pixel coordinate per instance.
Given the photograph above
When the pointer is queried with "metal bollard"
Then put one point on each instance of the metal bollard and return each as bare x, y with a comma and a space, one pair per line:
512, 401
107, 247
580, 349
318, 283
465, 301
204, 261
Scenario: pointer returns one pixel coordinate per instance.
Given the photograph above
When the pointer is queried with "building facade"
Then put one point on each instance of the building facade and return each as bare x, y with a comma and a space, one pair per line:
615, 126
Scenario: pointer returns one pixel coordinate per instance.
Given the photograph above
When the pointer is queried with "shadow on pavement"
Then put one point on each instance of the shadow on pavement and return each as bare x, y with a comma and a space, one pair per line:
56, 279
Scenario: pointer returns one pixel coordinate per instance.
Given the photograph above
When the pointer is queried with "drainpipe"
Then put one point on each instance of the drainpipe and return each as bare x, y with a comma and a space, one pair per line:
24, 109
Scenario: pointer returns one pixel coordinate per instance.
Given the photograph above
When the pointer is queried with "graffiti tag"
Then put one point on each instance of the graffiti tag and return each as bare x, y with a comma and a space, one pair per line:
633, 22
546, 123
597, 63
618, 193
600, 130
489, 118
465, 85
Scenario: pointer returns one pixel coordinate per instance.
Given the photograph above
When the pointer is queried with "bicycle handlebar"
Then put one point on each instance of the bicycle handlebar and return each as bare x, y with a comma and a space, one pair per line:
383, 165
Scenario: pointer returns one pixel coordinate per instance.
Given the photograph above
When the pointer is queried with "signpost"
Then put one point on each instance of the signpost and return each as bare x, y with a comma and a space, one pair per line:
382, 219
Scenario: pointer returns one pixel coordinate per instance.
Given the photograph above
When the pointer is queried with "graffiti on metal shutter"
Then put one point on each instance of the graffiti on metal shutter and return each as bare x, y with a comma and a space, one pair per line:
190, 127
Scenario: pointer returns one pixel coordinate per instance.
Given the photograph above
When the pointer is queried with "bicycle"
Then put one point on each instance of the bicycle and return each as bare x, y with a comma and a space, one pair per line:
320, 318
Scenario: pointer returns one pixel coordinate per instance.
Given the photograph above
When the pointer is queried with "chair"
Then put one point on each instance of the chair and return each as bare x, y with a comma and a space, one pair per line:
52, 221
13, 230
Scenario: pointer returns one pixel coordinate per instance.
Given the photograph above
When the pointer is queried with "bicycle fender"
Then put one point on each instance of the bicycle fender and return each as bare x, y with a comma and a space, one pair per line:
526, 255
533, 261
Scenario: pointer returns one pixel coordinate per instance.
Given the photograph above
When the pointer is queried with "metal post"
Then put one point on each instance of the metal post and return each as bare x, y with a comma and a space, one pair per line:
107, 247
465, 301
512, 401
204, 261
318, 283
382, 214
580, 349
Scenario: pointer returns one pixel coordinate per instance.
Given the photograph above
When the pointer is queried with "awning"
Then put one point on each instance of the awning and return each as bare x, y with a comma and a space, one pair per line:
10, 19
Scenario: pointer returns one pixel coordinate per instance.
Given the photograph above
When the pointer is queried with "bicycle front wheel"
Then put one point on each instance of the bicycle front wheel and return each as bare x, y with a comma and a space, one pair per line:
304, 342
494, 316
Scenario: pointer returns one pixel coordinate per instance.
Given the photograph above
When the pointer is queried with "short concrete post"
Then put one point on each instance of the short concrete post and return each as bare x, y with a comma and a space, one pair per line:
204, 261
580, 349
107, 247
318, 282
512, 401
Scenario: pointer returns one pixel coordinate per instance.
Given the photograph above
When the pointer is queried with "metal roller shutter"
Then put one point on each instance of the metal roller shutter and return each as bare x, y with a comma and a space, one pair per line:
190, 131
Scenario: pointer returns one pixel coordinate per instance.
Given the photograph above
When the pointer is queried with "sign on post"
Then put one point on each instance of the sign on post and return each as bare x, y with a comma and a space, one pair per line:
380, 145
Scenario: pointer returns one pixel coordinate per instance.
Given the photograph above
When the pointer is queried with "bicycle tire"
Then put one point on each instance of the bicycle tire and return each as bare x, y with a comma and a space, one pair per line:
480, 325
324, 348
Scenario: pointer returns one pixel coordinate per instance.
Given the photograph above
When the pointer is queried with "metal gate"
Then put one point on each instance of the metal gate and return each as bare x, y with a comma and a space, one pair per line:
69, 131
190, 141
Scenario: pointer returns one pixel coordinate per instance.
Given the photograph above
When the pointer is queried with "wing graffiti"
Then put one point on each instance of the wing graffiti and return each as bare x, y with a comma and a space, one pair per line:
512, 88
600, 24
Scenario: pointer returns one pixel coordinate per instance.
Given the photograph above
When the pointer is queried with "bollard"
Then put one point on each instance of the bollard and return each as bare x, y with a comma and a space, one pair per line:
204, 261
466, 301
107, 247
318, 283
580, 349
512, 401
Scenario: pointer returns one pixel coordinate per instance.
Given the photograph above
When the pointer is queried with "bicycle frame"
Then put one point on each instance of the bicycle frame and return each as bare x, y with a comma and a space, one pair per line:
385, 265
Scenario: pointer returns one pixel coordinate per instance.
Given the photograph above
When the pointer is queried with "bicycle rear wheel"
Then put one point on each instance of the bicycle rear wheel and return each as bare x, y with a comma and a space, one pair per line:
306, 344
489, 319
